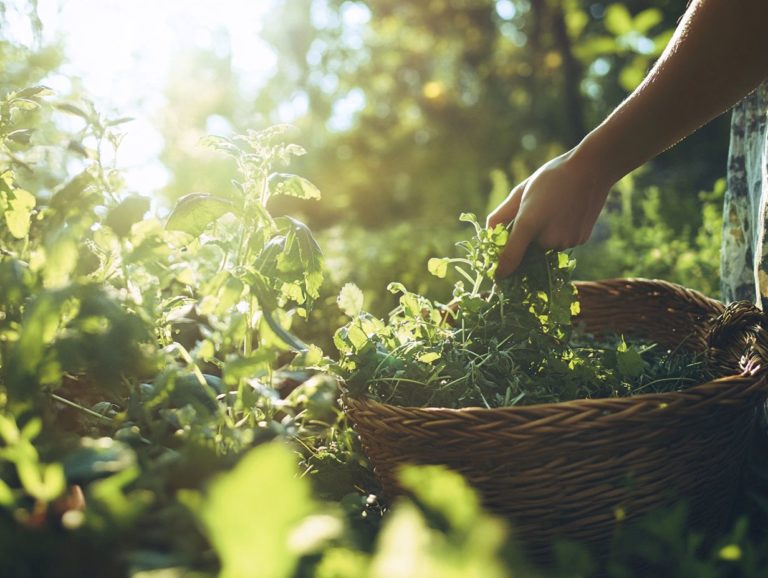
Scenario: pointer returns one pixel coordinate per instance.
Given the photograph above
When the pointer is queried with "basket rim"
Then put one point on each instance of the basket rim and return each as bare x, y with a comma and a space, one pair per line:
737, 384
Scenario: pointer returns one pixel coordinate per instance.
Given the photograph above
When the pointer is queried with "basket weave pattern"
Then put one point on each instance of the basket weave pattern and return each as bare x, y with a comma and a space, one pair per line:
569, 468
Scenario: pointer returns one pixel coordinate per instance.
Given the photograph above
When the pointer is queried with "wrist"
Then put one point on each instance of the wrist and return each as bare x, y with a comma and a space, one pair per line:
597, 160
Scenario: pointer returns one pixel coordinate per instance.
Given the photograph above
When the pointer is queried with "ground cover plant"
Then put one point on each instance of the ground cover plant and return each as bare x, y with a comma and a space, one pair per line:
499, 342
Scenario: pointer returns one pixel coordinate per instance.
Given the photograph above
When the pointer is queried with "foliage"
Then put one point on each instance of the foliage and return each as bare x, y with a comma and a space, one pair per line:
640, 242
160, 411
498, 343
138, 359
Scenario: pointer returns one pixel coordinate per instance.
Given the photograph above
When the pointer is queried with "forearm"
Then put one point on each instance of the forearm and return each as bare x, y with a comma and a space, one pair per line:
718, 54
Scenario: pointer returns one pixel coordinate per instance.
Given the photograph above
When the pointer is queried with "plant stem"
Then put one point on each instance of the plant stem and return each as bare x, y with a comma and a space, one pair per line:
79, 407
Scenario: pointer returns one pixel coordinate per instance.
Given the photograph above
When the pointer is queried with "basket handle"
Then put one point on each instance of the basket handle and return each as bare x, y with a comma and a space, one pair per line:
738, 339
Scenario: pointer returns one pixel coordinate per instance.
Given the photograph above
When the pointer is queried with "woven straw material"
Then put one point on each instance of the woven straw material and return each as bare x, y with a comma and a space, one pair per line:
571, 469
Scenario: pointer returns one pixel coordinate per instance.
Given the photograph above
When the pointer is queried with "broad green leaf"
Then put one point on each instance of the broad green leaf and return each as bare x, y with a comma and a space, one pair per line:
647, 19
302, 254
260, 287
292, 186
9, 431
6, 495
618, 19
292, 292
632, 74
575, 308
629, 361
595, 46
70, 198
195, 211
444, 491
60, 260
350, 300
18, 212
32, 429
438, 267
40, 326
429, 357
257, 364
731, 553
98, 458
110, 495
576, 20
42, 482
251, 514
309, 358
130, 210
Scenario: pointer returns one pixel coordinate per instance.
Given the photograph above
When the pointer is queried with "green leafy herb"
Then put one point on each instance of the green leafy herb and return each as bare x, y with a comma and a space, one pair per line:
498, 343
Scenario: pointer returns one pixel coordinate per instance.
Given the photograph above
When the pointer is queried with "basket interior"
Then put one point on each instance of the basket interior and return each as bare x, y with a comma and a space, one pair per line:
662, 312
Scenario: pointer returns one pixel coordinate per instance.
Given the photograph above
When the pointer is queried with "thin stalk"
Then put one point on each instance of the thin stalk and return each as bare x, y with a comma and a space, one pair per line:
79, 407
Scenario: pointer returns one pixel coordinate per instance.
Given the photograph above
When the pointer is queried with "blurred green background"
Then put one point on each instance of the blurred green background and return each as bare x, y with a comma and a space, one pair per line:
412, 112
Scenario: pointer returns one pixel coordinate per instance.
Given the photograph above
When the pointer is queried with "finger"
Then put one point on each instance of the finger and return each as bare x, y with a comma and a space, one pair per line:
508, 209
519, 239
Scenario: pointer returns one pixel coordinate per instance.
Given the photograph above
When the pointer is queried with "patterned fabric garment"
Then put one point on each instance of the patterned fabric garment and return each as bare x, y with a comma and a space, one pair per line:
744, 256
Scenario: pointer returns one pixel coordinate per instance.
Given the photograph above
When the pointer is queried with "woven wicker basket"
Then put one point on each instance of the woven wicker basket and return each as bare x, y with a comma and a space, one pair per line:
570, 469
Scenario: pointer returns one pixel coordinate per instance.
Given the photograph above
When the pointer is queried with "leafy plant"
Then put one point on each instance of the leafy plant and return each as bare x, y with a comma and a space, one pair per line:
497, 343
638, 239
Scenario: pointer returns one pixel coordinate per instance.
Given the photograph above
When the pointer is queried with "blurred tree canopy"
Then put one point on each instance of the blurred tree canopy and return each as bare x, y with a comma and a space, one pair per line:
413, 112
409, 107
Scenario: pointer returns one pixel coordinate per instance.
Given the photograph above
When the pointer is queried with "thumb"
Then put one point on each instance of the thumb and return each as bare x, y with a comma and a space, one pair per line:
520, 238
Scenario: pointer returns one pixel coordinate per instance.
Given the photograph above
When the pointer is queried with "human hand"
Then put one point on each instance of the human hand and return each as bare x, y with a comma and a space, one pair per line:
557, 207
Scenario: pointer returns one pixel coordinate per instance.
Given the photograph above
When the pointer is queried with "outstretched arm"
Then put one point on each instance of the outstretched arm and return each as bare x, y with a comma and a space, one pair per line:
718, 54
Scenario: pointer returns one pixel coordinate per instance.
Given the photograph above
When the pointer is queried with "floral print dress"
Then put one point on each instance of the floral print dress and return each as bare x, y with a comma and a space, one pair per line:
744, 256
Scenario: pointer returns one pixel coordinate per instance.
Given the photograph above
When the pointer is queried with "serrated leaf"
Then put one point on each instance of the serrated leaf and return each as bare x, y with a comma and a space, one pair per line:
221, 144
195, 211
295, 150
292, 186
350, 300
299, 253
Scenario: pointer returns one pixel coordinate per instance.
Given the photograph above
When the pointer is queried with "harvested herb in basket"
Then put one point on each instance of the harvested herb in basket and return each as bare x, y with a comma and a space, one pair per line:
499, 343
